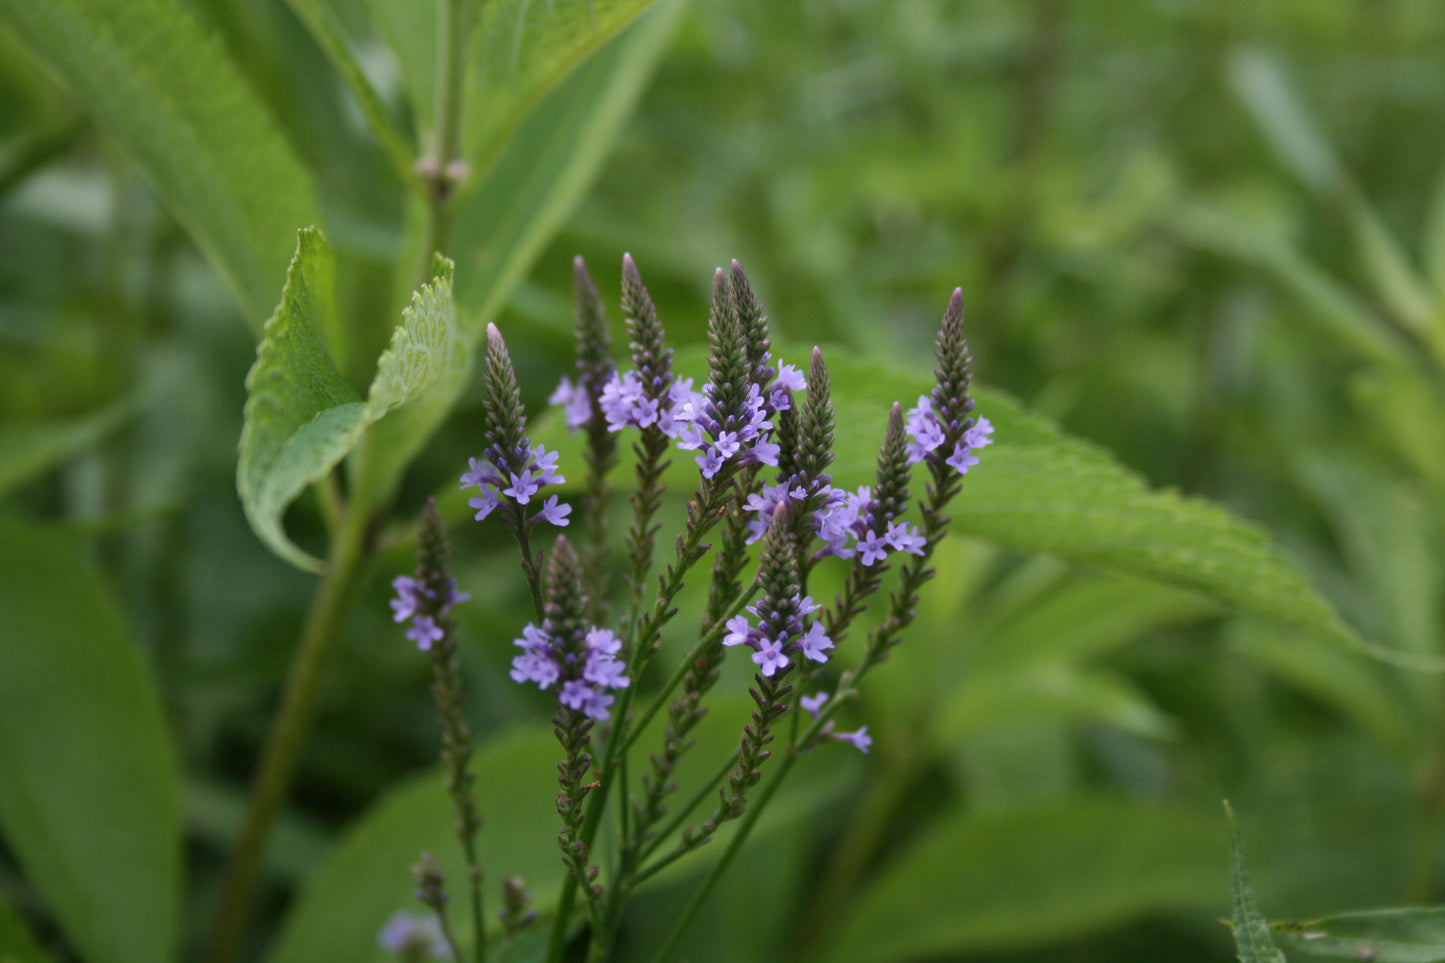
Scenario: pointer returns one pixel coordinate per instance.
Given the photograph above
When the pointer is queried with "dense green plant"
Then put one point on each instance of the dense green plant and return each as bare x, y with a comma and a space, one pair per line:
1053, 736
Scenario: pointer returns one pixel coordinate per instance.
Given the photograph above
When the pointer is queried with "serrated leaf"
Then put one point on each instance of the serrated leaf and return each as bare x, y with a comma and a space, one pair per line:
521, 50
547, 163
1021, 879
1038, 490
28, 450
89, 789
165, 86
1251, 934
301, 416
1408, 935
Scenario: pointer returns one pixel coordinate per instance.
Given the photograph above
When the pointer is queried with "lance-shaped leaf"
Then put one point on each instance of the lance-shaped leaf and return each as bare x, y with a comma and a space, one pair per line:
1410, 935
302, 417
89, 788
522, 50
1251, 934
165, 87
546, 164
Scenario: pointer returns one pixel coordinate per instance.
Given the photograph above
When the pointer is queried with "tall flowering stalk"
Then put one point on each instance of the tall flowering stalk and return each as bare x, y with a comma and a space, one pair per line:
760, 433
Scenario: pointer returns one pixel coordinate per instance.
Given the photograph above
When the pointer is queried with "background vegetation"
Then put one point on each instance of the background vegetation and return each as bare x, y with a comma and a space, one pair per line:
1208, 237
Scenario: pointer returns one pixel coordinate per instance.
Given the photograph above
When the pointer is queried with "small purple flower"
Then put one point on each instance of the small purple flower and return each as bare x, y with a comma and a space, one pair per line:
770, 657
485, 503
596, 705
905, 538
481, 474
740, 631
814, 703
962, 459
873, 548
710, 462
407, 599
924, 428
860, 739
523, 487
424, 631
553, 513
815, 643
575, 694
406, 929
575, 403
978, 436
604, 641
534, 667
604, 670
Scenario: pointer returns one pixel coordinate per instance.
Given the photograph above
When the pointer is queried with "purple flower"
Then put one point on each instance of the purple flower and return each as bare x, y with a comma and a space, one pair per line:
603, 641
814, 703
770, 657
860, 739
924, 428
905, 538
406, 929
485, 503
481, 474
596, 705
710, 462
575, 694
553, 513
407, 599
424, 631
604, 670
739, 631
873, 548
534, 667
978, 436
815, 642
575, 403
962, 459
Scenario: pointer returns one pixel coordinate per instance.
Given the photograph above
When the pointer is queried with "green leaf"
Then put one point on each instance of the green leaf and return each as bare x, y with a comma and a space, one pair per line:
976, 883
1409, 935
301, 416
89, 792
1260, 83
366, 877
17, 945
28, 450
1251, 934
1051, 692
409, 30
1038, 490
164, 86
521, 50
1337, 310
546, 165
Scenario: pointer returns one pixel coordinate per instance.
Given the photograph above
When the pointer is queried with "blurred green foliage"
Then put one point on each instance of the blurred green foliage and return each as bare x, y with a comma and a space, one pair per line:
1209, 237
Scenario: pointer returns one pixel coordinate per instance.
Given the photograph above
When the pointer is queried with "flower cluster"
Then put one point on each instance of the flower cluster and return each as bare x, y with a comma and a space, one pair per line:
927, 433
690, 417
852, 523
779, 633
518, 476
585, 676
414, 601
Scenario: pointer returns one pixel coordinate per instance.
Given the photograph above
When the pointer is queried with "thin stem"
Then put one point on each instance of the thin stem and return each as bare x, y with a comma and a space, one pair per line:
289, 730
680, 672
734, 845
649, 847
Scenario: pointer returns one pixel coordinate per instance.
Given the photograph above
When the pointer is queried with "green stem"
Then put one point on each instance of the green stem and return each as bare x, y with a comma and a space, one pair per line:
680, 672
288, 735
745, 828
